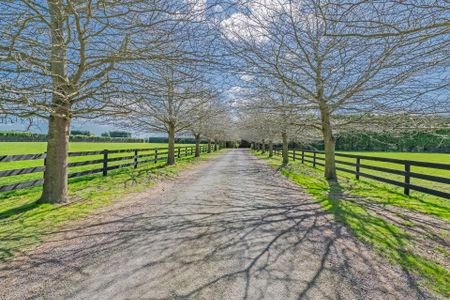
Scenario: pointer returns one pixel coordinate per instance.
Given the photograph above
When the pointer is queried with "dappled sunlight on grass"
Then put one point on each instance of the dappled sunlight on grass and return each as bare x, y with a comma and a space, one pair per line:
383, 194
363, 207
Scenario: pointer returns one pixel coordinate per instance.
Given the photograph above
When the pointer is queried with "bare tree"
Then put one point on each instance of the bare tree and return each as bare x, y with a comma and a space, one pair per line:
223, 128
205, 116
64, 59
332, 77
168, 98
424, 19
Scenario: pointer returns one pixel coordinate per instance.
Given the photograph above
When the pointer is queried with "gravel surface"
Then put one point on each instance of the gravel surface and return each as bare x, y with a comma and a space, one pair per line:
229, 228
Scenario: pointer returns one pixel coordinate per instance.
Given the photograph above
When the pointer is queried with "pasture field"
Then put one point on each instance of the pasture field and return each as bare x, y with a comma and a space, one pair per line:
424, 157
410, 231
13, 148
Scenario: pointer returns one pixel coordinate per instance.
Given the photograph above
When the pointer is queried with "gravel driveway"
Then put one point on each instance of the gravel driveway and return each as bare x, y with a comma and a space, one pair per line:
229, 228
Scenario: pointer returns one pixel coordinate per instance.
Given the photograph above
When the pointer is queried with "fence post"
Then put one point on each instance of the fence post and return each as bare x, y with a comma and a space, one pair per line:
407, 178
358, 162
135, 158
314, 159
293, 155
156, 156
179, 154
105, 162
303, 156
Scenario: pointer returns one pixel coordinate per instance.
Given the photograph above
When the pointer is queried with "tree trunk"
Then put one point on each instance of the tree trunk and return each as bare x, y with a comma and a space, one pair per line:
197, 145
270, 148
329, 143
215, 145
285, 150
171, 150
56, 170
209, 146
263, 147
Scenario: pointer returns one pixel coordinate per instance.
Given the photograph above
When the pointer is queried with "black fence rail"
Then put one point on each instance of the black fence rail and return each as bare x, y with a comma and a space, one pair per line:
103, 162
315, 158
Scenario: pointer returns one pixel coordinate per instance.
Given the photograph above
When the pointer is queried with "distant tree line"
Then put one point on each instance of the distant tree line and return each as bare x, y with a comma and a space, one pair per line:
75, 136
81, 132
436, 141
181, 140
118, 134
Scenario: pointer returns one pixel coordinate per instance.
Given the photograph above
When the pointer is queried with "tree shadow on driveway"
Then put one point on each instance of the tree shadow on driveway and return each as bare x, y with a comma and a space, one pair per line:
249, 235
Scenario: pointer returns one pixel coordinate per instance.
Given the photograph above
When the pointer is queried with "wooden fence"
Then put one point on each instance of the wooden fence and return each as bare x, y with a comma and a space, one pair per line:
103, 162
308, 156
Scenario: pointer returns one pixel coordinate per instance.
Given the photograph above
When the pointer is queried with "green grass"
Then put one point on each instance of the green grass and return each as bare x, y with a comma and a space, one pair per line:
361, 205
11, 148
425, 157
24, 223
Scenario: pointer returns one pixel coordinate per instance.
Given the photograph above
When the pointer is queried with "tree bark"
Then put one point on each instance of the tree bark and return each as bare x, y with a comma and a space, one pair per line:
215, 145
209, 146
329, 143
197, 145
285, 151
263, 147
171, 150
56, 170
270, 148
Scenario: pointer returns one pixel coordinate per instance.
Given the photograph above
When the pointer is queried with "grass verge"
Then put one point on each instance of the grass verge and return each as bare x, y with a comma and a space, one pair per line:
409, 231
23, 222
12, 148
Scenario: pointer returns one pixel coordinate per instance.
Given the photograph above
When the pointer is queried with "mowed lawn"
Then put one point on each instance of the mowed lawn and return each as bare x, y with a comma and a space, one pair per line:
14, 148
11, 148
443, 158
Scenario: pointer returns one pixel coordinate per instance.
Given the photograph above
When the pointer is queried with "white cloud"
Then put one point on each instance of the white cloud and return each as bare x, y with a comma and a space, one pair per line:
247, 78
254, 25
197, 8
239, 26
235, 90
217, 8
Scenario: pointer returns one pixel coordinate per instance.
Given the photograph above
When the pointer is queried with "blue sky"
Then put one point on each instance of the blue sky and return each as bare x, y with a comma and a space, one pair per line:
40, 126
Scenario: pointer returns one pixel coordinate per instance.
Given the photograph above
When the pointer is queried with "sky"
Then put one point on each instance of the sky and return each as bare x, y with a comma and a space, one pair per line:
40, 126
234, 21
218, 12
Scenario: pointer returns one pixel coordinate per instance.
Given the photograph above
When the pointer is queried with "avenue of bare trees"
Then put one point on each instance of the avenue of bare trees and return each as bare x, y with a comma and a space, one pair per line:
304, 70
343, 66
62, 60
